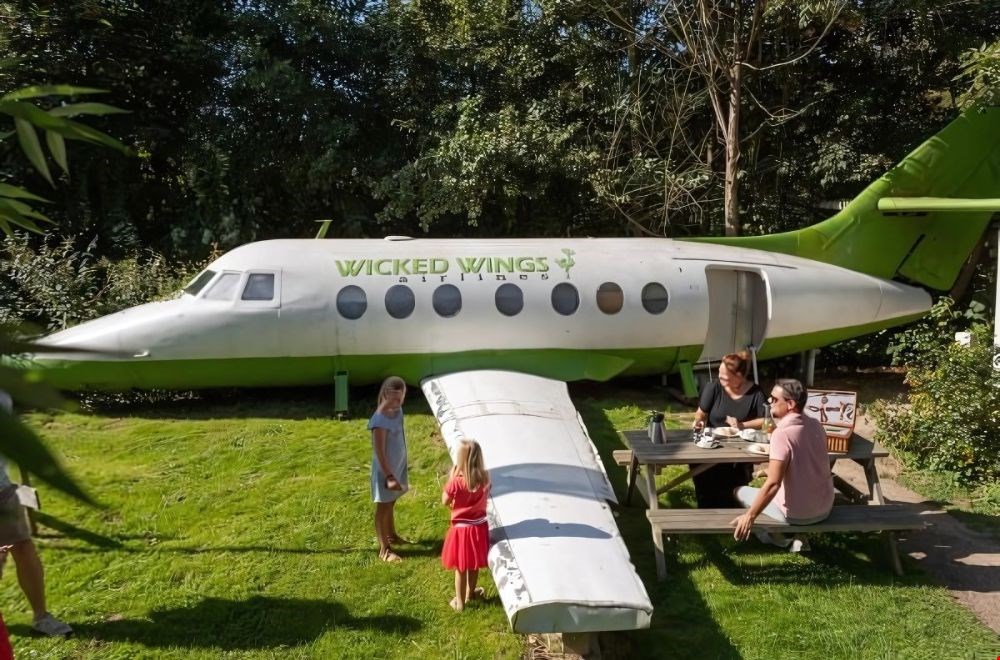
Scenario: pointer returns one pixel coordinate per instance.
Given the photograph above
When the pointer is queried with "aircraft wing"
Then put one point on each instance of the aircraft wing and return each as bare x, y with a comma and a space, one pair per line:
930, 204
557, 558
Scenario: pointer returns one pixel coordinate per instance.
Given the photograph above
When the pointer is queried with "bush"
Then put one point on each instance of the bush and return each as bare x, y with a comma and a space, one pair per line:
55, 285
951, 421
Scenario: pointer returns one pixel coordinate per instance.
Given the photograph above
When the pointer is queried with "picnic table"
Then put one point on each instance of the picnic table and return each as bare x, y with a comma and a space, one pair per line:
679, 448
644, 460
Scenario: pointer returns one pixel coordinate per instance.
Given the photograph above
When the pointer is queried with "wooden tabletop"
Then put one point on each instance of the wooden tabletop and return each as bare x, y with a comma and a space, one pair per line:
679, 449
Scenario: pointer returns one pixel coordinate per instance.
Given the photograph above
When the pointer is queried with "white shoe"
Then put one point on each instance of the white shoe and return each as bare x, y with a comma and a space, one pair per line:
51, 626
765, 537
799, 545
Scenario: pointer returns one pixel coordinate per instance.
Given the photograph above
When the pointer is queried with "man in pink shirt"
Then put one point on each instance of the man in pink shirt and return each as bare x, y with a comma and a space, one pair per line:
799, 485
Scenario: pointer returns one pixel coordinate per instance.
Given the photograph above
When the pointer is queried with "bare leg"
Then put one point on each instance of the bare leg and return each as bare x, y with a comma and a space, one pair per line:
472, 577
393, 536
461, 584
30, 575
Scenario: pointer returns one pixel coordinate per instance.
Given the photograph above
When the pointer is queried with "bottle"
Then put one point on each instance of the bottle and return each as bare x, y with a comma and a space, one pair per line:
768, 424
656, 427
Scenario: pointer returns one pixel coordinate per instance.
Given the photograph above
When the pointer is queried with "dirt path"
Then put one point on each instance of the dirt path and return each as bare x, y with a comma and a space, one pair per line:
962, 559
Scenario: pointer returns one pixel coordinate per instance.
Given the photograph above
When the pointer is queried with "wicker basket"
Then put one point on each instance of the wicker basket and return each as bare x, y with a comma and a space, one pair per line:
835, 410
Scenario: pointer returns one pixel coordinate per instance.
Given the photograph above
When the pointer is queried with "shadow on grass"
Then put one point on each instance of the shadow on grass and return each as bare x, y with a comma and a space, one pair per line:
288, 403
230, 625
64, 529
683, 624
417, 549
835, 560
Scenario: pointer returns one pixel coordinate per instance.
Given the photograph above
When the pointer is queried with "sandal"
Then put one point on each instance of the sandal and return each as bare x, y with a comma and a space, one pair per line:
456, 604
390, 557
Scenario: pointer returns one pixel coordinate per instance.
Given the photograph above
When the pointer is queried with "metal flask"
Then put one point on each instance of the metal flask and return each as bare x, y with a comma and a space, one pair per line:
656, 435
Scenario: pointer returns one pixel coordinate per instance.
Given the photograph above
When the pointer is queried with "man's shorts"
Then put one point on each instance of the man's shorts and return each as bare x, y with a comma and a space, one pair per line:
14, 526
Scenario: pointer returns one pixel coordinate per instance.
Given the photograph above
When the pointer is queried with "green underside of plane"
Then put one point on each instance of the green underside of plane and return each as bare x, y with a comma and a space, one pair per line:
559, 364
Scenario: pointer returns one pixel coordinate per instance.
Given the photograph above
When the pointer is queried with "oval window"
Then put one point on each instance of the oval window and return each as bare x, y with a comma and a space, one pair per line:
352, 302
447, 300
399, 301
565, 298
510, 299
610, 298
655, 298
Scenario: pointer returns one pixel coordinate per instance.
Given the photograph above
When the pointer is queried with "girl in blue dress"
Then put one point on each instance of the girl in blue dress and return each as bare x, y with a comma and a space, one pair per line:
389, 474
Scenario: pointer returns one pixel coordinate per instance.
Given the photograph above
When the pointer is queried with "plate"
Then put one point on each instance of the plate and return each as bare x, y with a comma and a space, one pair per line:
726, 432
757, 448
755, 435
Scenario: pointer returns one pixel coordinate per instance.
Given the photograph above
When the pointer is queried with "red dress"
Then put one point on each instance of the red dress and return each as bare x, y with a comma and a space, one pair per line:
468, 538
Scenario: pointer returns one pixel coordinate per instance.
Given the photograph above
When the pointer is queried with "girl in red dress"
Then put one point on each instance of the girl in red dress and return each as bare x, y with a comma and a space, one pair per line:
468, 538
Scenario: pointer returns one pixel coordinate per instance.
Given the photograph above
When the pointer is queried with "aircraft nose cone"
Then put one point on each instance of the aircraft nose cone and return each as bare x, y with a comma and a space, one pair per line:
98, 336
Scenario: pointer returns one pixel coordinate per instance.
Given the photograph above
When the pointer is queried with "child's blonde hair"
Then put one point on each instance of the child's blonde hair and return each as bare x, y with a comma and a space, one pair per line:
470, 463
390, 384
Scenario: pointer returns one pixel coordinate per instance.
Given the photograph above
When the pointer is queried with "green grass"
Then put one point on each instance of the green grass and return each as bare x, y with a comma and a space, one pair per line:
241, 527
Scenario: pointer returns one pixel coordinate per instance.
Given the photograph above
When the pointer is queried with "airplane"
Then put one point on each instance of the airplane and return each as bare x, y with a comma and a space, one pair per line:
493, 329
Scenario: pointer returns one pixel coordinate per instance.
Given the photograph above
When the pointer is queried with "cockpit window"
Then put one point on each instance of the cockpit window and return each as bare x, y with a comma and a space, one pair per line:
198, 283
224, 287
260, 286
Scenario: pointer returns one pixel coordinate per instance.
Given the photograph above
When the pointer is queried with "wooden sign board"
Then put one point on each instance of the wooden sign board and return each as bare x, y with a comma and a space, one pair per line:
836, 411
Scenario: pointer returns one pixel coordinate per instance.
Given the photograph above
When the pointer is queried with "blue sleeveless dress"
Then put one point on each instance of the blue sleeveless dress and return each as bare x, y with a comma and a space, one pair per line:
395, 449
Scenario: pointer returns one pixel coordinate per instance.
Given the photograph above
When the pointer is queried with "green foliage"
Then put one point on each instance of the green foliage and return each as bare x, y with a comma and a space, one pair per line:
30, 118
981, 71
922, 342
951, 421
55, 285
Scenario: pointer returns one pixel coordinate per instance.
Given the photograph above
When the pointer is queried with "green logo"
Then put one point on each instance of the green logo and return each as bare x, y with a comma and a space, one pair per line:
567, 262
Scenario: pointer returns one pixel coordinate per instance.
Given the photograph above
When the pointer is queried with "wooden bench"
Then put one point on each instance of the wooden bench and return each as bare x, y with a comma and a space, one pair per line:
848, 518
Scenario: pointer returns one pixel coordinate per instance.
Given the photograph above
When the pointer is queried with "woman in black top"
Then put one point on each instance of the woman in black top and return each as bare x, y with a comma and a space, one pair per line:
736, 401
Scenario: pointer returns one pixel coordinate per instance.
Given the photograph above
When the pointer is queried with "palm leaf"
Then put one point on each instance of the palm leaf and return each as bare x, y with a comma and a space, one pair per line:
21, 208
10, 218
21, 445
37, 91
18, 192
69, 129
57, 147
74, 109
35, 395
31, 146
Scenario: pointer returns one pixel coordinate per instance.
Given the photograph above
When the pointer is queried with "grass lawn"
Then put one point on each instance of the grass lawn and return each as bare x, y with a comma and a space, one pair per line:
240, 526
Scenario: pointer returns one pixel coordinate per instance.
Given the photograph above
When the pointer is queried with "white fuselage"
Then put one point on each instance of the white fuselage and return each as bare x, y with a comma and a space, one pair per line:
795, 297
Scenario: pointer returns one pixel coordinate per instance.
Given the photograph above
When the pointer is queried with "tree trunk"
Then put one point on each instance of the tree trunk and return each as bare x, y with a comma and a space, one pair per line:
732, 192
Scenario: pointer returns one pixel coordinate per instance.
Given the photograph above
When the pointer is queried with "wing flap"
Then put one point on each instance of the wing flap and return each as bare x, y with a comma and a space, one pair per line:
556, 555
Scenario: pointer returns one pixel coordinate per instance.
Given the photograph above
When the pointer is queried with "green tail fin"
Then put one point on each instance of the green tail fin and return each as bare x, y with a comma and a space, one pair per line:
927, 247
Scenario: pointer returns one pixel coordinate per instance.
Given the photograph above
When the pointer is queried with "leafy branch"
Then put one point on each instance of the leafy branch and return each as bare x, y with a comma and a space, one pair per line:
17, 209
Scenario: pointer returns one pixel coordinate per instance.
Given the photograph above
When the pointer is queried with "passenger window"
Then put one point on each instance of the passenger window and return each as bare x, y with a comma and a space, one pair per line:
447, 300
399, 301
610, 298
224, 287
260, 286
198, 283
655, 298
509, 299
352, 302
565, 298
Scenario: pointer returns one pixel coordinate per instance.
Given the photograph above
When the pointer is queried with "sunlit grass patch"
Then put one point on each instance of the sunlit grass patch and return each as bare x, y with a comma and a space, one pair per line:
242, 527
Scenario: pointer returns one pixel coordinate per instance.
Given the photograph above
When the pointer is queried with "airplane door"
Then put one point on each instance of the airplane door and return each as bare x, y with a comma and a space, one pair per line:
738, 312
